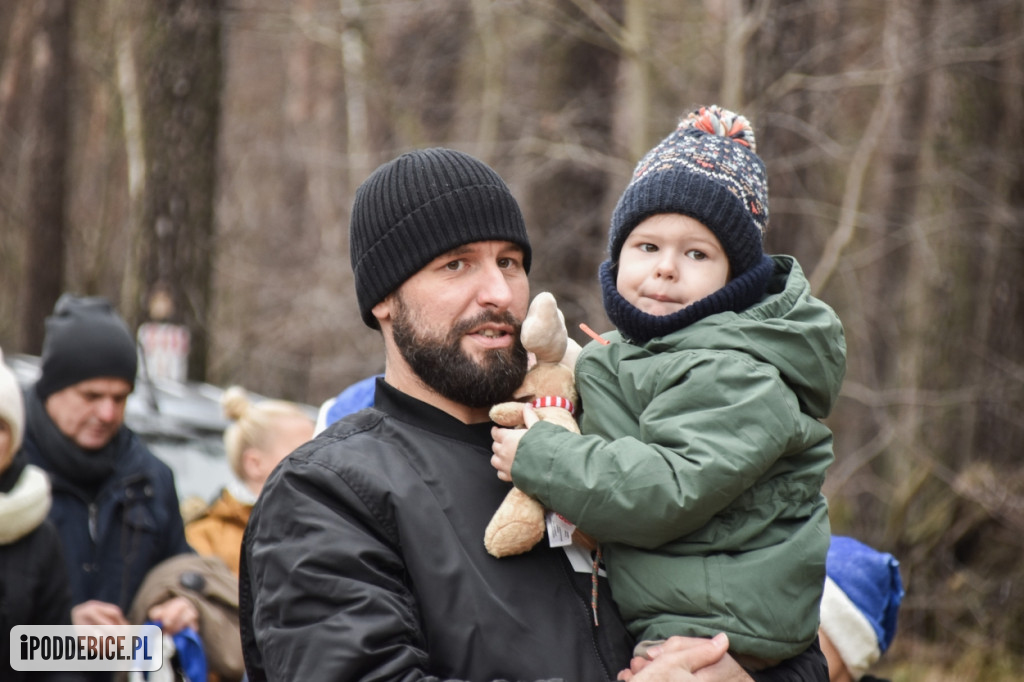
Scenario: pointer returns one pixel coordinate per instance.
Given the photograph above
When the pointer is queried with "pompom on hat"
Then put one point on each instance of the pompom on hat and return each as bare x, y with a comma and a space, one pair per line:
418, 206
85, 339
12, 407
707, 169
861, 601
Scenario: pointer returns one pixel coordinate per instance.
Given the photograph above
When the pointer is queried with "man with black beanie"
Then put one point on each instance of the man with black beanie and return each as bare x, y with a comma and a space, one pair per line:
114, 503
364, 556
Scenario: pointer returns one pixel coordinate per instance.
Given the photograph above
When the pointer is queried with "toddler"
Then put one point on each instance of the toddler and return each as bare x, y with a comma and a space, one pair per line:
703, 452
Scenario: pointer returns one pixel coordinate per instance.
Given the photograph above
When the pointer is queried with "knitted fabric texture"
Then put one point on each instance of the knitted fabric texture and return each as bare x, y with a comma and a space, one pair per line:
85, 339
419, 206
738, 294
12, 407
707, 169
860, 605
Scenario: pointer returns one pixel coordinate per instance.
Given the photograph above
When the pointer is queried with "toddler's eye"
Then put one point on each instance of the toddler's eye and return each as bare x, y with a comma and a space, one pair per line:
647, 247
696, 254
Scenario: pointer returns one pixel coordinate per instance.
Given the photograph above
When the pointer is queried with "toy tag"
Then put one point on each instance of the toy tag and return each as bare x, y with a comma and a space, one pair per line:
559, 529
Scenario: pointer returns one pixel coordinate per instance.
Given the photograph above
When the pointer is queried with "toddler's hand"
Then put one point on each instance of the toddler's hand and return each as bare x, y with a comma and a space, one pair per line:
506, 442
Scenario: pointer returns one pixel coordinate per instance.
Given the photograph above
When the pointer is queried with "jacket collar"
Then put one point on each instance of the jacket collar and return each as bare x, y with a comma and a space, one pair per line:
425, 416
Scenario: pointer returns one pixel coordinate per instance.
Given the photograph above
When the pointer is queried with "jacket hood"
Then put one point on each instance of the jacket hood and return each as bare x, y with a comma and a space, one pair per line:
789, 329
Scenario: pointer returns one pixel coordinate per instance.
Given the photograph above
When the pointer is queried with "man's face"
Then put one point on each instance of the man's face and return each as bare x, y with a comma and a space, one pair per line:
456, 322
91, 411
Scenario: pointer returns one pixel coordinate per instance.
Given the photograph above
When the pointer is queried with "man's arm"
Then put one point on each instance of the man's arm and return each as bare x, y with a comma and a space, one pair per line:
323, 594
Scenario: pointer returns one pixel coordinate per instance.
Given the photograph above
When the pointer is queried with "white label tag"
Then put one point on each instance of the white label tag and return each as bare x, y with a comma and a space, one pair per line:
559, 529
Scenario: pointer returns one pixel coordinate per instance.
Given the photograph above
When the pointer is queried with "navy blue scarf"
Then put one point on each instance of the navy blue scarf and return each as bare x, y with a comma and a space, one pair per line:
639, 327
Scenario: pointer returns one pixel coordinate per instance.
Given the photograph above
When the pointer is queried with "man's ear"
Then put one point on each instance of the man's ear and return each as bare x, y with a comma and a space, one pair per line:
382, 311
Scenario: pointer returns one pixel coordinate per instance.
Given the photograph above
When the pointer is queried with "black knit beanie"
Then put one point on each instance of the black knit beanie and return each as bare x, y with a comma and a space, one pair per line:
419, 206
85, 339
707, 169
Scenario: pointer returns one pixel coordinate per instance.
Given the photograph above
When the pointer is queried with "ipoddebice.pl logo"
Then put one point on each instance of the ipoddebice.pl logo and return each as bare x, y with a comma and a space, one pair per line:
86, 647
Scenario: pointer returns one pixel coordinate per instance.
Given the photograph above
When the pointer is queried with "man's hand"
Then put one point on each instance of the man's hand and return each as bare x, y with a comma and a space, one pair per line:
687, 659
95, 612
175, 614
506, 442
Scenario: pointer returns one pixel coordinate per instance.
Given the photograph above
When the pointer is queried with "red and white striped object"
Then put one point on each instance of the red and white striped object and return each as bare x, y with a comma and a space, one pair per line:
554, 401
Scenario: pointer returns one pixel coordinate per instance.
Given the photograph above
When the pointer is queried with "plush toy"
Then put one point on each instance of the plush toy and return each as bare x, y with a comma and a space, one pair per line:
550, 388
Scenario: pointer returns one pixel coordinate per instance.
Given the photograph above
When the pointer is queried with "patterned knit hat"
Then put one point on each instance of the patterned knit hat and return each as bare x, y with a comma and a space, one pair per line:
706, 169
861, 602
12, 408
85, 339
419, 206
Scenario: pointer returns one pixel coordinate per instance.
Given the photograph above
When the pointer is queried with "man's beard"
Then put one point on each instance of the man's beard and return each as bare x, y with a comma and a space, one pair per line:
446, 368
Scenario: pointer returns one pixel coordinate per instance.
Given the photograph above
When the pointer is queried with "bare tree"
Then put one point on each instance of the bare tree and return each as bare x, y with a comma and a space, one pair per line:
178, 64
46, 217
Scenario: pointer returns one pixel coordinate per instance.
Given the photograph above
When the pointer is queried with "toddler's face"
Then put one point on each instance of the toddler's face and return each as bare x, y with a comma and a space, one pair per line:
668, 262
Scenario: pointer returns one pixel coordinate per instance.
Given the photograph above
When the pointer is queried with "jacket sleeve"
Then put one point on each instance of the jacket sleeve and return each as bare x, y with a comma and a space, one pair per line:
174, 533
52, 601
704, 438
810, 666
323, 591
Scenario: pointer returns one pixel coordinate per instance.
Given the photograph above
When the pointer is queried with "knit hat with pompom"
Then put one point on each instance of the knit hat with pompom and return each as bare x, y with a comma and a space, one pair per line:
708, 169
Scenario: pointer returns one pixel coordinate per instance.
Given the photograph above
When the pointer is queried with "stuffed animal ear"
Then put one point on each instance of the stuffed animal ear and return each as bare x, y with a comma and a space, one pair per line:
544, 331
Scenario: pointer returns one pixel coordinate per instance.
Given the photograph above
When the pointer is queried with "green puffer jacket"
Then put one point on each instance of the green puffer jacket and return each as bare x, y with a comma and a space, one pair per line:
701, 467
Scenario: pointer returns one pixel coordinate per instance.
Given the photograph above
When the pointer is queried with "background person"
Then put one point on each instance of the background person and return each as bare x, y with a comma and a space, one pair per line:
351, 399
33, 579
859, 609
260, 436
114, 503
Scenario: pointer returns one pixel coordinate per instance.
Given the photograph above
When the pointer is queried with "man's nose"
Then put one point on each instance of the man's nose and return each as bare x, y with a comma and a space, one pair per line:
494, 288
107, 409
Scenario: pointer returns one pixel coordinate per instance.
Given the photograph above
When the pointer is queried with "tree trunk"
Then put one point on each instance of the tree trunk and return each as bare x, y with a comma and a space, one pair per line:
178, 56
46, 220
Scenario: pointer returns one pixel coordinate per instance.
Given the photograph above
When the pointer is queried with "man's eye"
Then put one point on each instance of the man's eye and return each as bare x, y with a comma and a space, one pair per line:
454, 265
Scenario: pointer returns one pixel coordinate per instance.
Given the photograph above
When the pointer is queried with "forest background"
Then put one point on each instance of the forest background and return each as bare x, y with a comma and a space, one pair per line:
195, 161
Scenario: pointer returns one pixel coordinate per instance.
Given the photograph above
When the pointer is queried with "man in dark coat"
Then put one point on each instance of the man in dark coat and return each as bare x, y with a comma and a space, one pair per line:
114, 503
